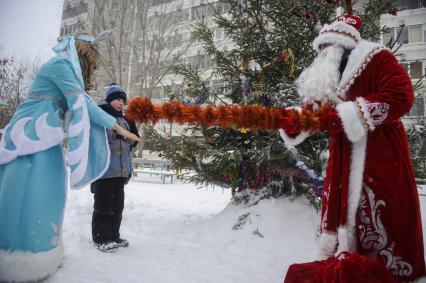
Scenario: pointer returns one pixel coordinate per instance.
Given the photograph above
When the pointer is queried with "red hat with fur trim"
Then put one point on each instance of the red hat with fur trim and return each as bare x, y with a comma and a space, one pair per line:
344, 31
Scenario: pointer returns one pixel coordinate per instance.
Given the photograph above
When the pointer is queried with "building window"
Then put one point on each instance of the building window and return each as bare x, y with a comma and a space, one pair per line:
159, 2
387, 36
218, 35
73, 11
138, 79
210, 62
424, 32
157, 93
415, 34
402, 35
199, 12
418, 109
69, 29
217, 85
194, 38
416, 70
408, 34
192, 61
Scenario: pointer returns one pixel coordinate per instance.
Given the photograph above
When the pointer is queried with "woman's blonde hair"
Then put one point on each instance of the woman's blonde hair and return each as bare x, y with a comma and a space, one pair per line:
88, 57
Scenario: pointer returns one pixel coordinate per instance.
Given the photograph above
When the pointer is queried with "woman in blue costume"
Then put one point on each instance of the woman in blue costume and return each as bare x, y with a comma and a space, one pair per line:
33, 165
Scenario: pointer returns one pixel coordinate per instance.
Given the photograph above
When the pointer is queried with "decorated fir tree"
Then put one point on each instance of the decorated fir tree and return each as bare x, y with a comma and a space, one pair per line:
272, 45
417, 141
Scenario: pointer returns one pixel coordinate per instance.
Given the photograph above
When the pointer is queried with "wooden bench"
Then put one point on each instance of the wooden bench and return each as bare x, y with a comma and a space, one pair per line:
163, 174
156, 167
154, 164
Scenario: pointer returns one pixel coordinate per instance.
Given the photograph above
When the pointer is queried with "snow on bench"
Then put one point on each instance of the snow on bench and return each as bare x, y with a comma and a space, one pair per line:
163, 174
154, 167
422, 190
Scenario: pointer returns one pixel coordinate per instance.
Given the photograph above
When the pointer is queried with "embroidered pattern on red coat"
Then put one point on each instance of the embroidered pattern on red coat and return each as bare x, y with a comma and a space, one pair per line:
374, 112
373, 236
323, 224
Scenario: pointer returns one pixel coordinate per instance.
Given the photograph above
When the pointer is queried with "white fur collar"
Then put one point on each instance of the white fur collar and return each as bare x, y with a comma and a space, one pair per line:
358, 60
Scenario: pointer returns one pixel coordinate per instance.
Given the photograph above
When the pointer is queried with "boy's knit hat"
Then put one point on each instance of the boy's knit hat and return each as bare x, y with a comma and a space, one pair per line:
114, 92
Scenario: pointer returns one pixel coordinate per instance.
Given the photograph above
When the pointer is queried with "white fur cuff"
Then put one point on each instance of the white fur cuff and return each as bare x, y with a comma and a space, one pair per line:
351, 121
346, 238
327, 245
293, 141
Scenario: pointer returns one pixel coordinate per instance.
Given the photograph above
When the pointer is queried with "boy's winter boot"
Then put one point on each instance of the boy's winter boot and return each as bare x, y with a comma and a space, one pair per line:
107, 246
122, 242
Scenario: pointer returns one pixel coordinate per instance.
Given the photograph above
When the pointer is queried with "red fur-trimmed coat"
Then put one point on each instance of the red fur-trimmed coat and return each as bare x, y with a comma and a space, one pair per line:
370, 199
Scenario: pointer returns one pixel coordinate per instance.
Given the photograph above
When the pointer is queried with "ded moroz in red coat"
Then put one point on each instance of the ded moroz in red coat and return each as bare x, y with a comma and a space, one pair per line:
370, 197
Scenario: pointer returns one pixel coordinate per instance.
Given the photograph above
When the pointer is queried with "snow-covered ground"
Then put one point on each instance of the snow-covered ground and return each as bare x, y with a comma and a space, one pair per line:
178, 233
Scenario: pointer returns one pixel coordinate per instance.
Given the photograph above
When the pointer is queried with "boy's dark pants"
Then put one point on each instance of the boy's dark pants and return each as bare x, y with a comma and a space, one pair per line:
108, 209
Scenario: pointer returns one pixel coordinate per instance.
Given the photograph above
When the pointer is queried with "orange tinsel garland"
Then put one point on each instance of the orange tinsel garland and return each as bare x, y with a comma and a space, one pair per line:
254, 117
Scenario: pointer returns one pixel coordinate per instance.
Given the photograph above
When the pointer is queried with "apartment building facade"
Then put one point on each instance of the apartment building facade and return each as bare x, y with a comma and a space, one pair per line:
408, 28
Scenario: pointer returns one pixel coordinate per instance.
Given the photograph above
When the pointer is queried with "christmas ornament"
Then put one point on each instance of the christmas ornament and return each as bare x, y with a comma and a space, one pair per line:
311, 15
393, 10
309, 173
247, 179
245, 61
265, 99
199, 100
317, 191
286, 56
245, 85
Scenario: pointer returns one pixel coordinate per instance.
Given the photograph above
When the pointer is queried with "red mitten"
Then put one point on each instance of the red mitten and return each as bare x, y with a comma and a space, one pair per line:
289, 124
331, 122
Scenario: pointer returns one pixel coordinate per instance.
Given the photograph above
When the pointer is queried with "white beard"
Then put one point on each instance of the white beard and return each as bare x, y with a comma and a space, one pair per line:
319, 82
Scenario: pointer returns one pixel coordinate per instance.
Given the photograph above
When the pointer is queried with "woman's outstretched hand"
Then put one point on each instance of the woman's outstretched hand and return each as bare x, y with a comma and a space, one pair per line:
126, 134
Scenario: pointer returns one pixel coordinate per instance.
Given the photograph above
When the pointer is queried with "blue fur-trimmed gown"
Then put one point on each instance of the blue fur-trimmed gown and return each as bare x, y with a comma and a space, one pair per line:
33, 170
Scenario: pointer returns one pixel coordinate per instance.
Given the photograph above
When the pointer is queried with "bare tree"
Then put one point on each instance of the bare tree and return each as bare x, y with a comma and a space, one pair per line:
160, 44
16, 76
145, 42
115, 15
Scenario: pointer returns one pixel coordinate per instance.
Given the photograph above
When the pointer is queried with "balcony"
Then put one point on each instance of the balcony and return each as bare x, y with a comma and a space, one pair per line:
410, 4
